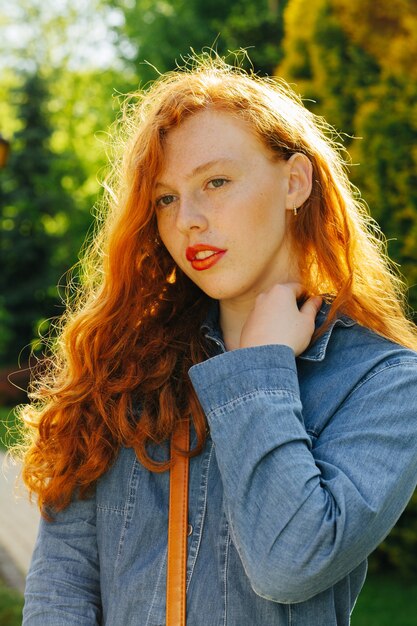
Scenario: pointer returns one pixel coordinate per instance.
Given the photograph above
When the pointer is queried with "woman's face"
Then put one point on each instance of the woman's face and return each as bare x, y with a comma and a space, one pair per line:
222, 206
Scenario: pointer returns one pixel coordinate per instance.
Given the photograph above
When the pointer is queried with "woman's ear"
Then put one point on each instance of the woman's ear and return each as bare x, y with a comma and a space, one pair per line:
300, 180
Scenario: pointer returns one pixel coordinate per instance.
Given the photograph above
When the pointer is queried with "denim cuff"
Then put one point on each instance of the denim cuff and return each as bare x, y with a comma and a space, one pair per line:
228, 376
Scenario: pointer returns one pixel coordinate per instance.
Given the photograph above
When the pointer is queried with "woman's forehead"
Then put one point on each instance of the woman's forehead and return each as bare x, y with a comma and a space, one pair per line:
207, 138
213, 127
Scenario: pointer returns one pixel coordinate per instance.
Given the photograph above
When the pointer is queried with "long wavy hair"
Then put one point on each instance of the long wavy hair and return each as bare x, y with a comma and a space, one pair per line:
117, 375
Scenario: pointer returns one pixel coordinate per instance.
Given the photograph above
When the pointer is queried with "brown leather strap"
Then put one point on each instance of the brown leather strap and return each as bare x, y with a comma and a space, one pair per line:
177, 529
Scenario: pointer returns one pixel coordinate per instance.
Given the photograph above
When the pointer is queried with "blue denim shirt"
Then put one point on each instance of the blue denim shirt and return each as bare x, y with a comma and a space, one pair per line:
308, 465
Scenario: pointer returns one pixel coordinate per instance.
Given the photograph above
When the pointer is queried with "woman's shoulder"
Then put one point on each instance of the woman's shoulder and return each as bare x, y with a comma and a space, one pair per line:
348, 357
352, 363
346, 341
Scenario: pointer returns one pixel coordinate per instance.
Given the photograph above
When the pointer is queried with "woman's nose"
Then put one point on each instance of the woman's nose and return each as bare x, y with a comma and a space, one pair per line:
191, 216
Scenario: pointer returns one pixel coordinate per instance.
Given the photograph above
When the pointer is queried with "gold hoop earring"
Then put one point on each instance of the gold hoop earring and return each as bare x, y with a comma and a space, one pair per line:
295, 210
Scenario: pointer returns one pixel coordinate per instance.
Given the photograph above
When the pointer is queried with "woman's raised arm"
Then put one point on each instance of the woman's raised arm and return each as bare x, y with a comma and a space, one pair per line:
306, 508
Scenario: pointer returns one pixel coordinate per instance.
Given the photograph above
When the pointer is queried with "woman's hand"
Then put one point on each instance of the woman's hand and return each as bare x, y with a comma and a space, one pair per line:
276, 319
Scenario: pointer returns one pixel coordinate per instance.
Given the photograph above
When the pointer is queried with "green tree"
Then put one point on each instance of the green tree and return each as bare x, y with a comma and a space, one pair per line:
259, 27
56, 110
163, 32
329, 69
366, 89
34, 211
386, 30
388, 172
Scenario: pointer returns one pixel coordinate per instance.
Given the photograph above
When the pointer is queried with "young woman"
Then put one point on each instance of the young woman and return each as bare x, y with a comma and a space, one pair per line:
236, 282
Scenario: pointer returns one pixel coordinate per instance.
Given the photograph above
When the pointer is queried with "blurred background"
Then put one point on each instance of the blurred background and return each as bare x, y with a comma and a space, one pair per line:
64, 68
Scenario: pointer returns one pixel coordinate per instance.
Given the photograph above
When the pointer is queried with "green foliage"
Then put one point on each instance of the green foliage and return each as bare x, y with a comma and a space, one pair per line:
33, 220
385, 29
330, 70
259, 27
51, 110
11, 605
9, 428
365, 89
165, 31
47, 193
388, 176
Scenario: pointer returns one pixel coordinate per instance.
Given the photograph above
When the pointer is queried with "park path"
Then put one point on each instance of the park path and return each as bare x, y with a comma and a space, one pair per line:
19, 520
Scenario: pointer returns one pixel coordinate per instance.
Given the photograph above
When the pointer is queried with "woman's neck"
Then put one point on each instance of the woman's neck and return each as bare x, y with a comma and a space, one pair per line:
232, 319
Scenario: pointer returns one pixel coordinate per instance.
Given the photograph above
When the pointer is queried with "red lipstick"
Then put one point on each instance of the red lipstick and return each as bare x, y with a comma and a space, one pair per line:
200, 261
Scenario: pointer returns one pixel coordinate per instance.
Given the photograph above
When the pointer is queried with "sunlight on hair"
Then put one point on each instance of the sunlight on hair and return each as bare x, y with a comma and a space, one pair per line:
131, 329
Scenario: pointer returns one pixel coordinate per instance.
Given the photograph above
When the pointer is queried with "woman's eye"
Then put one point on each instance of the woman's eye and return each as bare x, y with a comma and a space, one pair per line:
165, 200
217, 182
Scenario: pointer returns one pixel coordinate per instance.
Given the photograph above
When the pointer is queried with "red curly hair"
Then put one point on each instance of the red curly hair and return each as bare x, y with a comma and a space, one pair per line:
118, 372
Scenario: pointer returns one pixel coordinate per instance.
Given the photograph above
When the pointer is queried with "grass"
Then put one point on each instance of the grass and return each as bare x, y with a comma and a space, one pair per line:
11, 604
386, 601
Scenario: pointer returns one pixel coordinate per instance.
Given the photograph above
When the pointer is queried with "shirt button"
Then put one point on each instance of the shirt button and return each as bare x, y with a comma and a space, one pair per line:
190, 530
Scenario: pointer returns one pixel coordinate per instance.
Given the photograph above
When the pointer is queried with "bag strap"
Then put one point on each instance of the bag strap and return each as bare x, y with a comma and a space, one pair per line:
177, 528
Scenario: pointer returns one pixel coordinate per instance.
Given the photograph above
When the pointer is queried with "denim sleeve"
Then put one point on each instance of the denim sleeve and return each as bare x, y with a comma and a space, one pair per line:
302, 516
62, 587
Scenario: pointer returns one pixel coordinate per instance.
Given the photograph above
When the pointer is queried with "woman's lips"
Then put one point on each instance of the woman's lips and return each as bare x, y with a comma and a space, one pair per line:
202, 256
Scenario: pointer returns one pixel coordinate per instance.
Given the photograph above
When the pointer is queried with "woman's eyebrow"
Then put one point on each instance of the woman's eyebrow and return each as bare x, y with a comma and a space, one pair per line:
206, 166
201, 169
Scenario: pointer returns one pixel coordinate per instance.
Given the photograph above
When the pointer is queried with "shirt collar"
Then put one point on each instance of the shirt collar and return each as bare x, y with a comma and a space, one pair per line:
211, 325
316, 351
